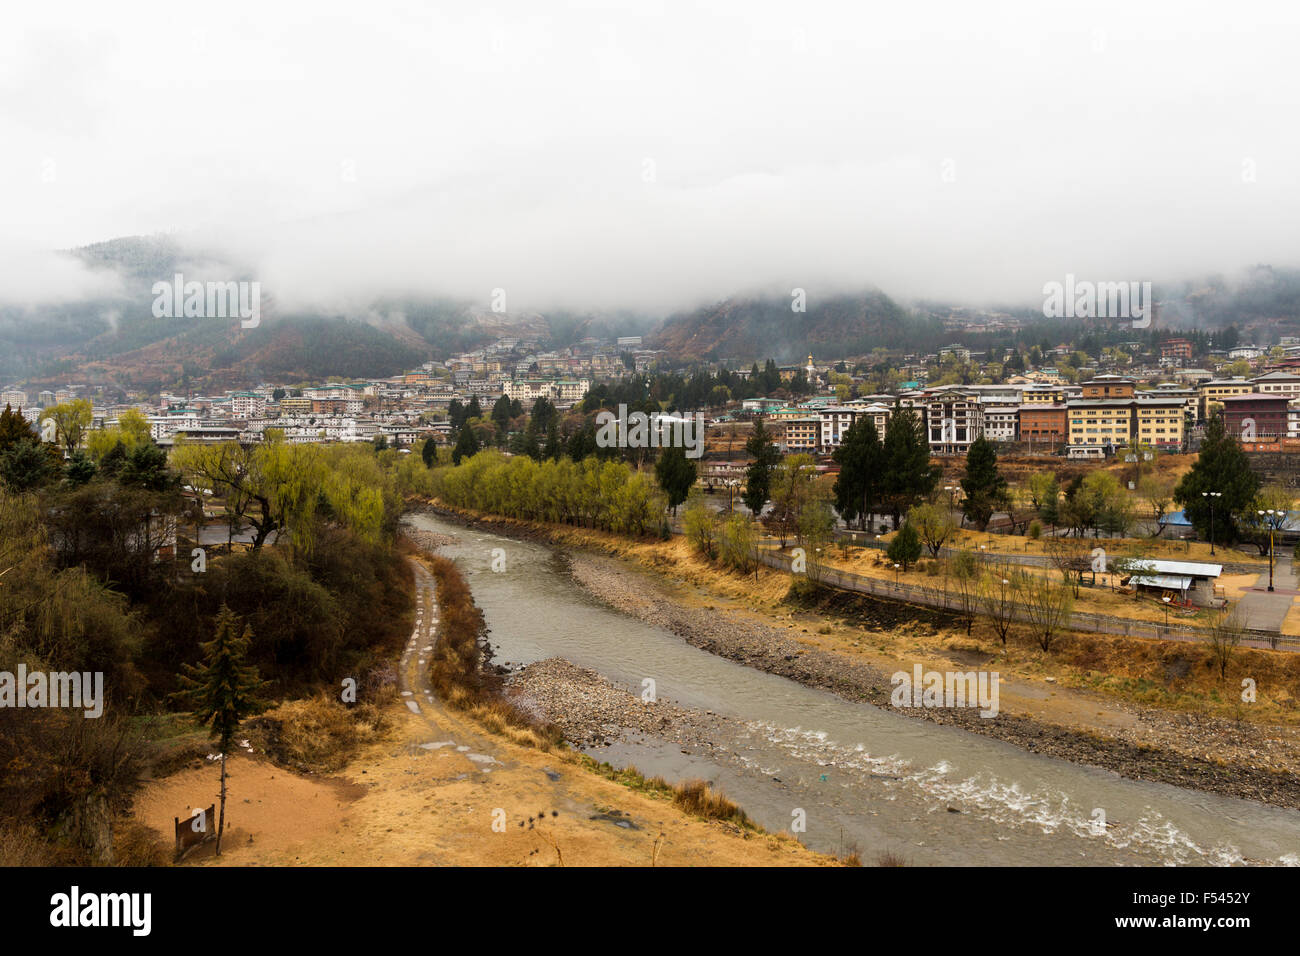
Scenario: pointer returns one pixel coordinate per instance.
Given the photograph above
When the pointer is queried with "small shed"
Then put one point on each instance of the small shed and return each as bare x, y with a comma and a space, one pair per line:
1191, 581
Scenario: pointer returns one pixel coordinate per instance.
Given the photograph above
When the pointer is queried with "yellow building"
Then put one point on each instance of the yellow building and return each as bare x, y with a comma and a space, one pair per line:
1209, 393
1160, 421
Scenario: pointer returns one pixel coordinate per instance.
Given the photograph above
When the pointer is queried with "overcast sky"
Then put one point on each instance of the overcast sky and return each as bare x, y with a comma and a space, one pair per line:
650, 155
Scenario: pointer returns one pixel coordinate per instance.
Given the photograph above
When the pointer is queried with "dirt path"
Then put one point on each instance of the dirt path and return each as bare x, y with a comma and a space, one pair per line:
441, 791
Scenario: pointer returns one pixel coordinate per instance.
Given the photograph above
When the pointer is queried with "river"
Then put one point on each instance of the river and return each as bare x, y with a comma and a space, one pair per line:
856, 774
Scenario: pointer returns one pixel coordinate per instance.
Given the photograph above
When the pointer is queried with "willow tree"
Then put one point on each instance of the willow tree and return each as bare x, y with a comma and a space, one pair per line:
71, 419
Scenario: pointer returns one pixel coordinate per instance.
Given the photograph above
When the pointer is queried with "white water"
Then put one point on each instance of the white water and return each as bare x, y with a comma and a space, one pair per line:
862, 775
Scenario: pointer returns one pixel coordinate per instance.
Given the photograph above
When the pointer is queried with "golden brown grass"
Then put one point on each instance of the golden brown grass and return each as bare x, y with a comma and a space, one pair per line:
318, 734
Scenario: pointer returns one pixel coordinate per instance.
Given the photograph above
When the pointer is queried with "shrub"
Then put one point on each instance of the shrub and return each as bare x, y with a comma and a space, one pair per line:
905, 549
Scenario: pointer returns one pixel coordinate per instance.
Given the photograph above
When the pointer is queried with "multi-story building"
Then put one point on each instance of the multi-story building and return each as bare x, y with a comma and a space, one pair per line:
1211, 394
799, 434
1001, 422
1256, 417
1188, 396
1159, 421
14, 397
1039, 394
1043, 424
1278, 383
1110, 413
528, 390
247, 405
879, 414
1103, 415
835, 421
1178, 350
954, 419
300, 405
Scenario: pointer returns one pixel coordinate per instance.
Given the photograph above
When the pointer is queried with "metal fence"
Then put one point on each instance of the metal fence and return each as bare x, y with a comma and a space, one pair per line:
945, 598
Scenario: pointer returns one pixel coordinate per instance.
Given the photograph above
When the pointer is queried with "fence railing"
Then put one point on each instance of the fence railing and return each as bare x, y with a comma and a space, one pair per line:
948, 599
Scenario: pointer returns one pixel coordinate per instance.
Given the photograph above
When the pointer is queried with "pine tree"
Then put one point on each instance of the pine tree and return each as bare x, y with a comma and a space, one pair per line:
223, 690
429, 453
984, 487
857, 487
466, 445
908, 475
676, 475
14, 427
758, 476
905, 549
1221, 466
553, 444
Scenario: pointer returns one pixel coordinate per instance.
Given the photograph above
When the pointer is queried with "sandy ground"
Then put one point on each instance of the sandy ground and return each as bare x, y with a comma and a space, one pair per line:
439, 790
400, 804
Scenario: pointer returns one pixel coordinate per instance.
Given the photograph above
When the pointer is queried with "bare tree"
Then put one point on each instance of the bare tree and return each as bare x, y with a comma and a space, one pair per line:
1225, 634
997, 597
965, 570
1070, 556
1048, 604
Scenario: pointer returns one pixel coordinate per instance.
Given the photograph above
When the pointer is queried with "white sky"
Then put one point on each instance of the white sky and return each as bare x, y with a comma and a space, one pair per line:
354, 149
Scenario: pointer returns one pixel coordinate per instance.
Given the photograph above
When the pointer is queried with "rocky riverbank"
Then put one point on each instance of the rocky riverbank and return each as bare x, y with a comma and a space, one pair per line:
1180, 749
592, 712
1185, 750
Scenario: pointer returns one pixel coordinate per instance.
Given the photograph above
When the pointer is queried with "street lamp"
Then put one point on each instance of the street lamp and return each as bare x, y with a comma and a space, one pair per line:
1271, 525
1166, 599
1210, 496
896, 567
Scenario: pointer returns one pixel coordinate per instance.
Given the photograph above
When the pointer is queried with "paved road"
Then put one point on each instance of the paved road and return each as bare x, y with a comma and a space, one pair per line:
1268, 610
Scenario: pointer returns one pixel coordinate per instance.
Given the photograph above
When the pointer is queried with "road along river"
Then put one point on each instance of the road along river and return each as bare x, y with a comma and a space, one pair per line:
857, 775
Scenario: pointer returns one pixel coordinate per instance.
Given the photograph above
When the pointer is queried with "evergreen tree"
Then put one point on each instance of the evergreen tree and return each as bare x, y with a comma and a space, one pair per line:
758, 476
79, 469
466, 445
984, 486
15, 428
223, 690
146, 467
501, 413
553, 443
908, 475
857, 487
1221, 466
676, 475
474, 409
456, 414
905, 549
27, 464
429, 453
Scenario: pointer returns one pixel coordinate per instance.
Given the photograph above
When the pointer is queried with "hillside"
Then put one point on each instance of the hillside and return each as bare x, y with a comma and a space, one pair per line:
743, 327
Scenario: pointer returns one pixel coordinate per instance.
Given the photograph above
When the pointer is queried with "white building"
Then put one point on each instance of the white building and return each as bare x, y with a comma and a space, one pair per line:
954, 419
247, 405
1001, 422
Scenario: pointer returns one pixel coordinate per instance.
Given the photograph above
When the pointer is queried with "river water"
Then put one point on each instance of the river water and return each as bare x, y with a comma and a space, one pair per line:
857, 775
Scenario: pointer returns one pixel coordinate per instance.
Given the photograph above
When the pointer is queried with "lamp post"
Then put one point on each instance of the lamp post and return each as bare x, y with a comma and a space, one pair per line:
1270, 519
731, 493
1210, 496
1166, 600
896, 567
